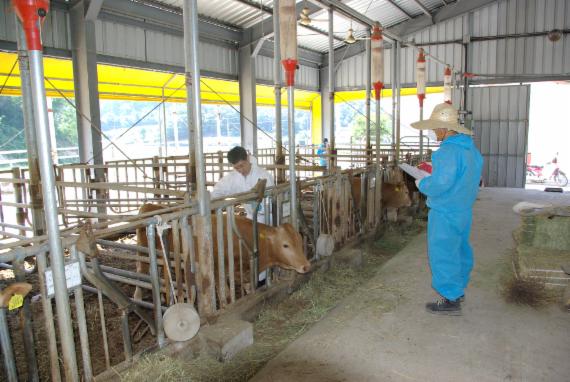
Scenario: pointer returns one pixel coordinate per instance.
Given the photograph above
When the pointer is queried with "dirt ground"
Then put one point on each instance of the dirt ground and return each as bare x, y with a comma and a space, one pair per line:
381, 332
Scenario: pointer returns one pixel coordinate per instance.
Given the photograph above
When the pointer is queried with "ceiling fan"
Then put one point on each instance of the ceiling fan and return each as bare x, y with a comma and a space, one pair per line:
305, 18
350, 38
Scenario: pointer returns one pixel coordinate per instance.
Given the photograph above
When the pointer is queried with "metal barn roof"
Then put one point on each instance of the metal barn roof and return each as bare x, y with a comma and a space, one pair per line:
247, 13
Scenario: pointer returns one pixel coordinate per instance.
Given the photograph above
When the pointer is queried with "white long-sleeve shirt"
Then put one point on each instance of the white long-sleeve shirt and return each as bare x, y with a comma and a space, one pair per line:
236, 183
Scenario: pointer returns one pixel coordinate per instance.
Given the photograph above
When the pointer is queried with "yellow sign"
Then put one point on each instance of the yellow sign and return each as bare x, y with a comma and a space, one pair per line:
15, 302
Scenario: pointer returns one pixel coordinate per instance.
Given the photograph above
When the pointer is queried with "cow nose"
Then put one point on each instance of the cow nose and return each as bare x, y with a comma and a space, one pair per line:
306, 268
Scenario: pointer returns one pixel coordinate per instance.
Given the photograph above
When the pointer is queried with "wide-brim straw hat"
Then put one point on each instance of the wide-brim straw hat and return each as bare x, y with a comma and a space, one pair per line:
444, 116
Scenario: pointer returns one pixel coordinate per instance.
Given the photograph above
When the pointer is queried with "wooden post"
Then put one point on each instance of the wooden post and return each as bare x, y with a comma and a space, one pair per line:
61, 192
335, 216
220, 164
164, 176
155, 174
36, 198
371, 200
205, 281
378, 192
19, 198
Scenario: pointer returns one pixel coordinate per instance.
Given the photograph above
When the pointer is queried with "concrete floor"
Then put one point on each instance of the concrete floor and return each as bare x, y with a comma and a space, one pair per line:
382, 332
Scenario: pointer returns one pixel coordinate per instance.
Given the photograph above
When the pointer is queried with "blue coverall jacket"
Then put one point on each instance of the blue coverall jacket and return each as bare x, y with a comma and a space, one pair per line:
451, 191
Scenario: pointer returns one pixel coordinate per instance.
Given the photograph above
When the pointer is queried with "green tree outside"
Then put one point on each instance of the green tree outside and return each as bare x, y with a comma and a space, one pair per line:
11, 124
65, 123
359, 129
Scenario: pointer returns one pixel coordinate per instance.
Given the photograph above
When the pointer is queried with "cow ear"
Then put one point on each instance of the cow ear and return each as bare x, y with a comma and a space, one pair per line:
287, 227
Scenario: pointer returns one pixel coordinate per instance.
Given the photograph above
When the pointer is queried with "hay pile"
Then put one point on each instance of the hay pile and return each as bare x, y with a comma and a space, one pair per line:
529, 292
279, 324
543, 244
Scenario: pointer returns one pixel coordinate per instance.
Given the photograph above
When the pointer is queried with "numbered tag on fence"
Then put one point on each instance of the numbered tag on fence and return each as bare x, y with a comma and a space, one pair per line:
286, 209
72, 277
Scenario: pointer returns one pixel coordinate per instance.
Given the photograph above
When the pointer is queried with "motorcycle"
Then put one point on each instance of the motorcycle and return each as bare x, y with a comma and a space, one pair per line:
557, 177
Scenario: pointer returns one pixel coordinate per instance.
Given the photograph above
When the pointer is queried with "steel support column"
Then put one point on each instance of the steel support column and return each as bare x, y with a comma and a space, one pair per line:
279, 158
398, 98
84, 58
82, 18
331, 78
325, 102
38, 215
30, 15
394, 73
205, 272
247, 96
368, 89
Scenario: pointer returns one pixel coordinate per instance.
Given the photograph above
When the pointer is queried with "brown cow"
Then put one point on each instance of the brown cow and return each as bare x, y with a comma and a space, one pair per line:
278, 246
394, 195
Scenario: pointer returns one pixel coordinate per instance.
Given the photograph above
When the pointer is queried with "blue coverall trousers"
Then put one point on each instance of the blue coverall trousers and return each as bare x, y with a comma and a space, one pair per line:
450, 254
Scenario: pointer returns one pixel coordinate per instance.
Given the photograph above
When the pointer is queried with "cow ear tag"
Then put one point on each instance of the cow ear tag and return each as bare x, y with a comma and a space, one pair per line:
15, 302
397, 189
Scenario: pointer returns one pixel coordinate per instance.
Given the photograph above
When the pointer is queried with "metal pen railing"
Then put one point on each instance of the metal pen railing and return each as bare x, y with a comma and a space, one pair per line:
327, 206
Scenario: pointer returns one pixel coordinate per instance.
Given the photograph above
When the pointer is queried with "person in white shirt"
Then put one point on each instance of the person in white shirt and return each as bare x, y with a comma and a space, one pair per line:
243, 178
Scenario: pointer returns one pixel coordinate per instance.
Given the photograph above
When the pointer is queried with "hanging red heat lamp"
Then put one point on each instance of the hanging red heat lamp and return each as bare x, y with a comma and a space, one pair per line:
421, 77
31, 13
447, 86
377, 64
288, 30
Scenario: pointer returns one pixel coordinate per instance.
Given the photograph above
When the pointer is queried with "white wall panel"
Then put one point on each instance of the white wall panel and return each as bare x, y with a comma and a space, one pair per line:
308, 77
164, 48
7, 21
523, 55
126, 41
264, 68
120, 40
351, 73
500, 123
218, 59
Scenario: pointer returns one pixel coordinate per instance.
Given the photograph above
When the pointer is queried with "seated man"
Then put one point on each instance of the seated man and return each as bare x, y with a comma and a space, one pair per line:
244, 177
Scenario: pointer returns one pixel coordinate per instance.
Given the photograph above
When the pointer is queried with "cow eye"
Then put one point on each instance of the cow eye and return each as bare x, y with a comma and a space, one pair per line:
285, 245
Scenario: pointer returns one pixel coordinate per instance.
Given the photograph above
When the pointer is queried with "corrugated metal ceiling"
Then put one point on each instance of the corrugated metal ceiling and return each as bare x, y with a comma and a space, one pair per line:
246, 13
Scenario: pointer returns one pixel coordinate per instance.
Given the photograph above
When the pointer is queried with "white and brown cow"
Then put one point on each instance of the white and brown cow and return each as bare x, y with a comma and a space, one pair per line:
278, 246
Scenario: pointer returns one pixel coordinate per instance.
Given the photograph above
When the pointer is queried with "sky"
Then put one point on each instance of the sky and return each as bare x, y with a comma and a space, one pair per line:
549, 125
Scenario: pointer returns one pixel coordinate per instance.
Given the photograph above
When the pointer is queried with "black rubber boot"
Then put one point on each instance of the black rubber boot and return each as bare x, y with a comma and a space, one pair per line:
445, 307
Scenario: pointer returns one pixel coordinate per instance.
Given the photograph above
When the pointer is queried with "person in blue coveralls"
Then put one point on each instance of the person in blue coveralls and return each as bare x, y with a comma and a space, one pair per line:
451, 191
322, 152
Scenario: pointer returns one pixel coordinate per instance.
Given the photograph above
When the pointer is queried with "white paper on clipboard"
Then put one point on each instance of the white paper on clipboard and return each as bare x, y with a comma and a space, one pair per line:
415, 172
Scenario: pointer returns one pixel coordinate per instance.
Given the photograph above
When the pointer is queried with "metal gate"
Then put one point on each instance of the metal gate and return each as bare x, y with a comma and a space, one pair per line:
500, 122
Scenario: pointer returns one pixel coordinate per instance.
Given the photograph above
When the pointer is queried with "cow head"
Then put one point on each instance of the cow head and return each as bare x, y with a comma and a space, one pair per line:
287, 249
396, 195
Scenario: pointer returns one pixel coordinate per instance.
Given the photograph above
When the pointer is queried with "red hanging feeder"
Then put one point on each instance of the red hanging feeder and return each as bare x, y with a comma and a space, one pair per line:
377, 65
31, 13
447, 86
288, 30
421, 77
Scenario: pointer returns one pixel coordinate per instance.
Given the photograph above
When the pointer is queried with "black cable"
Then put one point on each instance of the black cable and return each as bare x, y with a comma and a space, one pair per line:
9, 74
